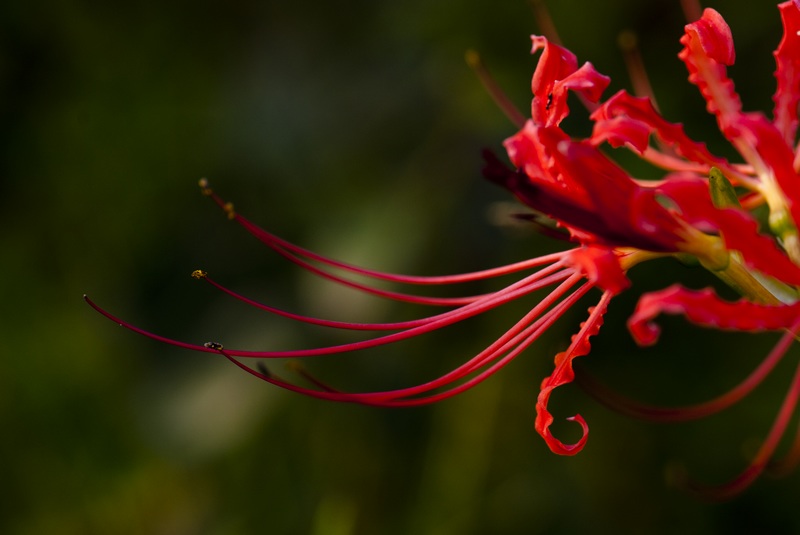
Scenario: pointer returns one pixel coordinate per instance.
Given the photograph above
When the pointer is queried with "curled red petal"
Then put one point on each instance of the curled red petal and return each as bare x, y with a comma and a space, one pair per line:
626, 119
588, 82
564, 374
555, 63
557, 73
787, 72
708, 49
714, 36
705, 308
619, 131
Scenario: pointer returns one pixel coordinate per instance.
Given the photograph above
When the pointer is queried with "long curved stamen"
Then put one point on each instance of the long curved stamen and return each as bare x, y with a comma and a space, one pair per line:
628, 43
493, 88
514, 291
545, 21
762, 457
397, 296
692, 10
512, 343
271, 240
738, 173
293, 253
786, 465
540, 279
630, 407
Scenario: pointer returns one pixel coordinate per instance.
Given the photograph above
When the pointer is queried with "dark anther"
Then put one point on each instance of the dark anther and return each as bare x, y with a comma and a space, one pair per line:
263, 369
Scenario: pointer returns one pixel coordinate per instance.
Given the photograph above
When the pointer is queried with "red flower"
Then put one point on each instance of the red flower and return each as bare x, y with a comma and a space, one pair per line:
616, 221
766, 268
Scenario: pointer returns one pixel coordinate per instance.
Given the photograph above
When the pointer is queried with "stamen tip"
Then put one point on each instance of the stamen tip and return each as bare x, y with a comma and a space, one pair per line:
627, 40
199, 274
228, 208
295, 366
213, 345
472, 58
205, 188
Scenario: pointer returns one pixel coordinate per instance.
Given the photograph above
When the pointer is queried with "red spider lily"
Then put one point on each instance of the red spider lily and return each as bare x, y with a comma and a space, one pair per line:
617, 221
769, 174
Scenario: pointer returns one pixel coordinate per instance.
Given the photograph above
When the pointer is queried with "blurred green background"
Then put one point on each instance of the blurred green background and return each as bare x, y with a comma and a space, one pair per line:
353, 128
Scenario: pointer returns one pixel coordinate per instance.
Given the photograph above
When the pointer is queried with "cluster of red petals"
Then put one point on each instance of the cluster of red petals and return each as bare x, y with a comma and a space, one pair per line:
767, 145
572, 181
603, 207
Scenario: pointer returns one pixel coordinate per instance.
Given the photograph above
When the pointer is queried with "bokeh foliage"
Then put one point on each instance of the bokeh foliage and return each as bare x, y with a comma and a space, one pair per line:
353, 128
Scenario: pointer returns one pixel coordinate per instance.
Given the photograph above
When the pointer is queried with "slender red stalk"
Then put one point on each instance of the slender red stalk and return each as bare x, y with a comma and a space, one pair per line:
272, 240
479, 306
493, 88
493, 358
764, 454
692, 10
545, 278
627, 406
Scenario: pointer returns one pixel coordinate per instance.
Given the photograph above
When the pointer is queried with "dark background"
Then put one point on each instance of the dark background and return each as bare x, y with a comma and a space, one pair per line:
352, 128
